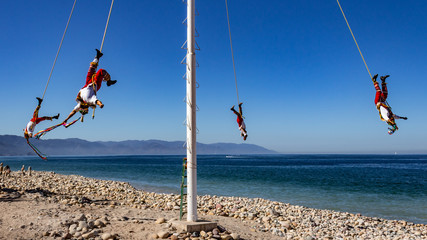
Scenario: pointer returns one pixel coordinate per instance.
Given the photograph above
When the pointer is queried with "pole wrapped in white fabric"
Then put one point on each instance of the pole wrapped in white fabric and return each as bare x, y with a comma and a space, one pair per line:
191, 115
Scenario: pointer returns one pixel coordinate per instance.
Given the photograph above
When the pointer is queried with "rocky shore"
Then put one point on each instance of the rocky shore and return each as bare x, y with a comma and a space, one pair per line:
46, 205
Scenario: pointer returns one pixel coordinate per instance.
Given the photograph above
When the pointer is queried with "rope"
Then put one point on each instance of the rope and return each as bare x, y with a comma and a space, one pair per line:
38, 152
106, 26
232, 54
348, 25
102, 44
60, 45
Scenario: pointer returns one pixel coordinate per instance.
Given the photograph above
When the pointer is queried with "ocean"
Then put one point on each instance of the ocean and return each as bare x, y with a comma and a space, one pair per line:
386, 186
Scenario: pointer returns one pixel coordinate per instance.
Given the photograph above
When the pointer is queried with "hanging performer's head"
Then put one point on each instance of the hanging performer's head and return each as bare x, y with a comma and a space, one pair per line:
26, 134
84, 108
393, 125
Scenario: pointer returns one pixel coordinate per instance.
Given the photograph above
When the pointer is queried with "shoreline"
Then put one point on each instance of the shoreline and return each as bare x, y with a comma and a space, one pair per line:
67, 196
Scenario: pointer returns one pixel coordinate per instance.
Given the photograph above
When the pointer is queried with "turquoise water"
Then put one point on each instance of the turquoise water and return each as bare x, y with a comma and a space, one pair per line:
387, 186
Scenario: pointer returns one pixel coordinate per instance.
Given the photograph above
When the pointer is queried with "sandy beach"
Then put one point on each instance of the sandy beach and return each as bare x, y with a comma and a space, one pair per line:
47, 205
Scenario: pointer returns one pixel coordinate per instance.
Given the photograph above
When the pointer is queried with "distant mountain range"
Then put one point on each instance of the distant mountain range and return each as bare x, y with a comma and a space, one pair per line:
12, 145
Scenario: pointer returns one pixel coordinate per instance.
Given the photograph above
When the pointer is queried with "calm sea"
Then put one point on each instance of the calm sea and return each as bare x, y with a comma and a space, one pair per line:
386, 186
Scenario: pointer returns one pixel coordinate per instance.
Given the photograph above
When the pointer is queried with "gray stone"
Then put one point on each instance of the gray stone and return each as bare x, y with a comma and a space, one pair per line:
221, 228
160, 220
235, 236
90, 234
107, 236
67, 236
81, 217
83, 224
163, 234
72, 232
286, 224
72, 227
98, 223
90, 224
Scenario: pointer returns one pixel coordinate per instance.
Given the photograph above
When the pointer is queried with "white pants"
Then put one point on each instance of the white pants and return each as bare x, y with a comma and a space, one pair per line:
242, 129
88, 95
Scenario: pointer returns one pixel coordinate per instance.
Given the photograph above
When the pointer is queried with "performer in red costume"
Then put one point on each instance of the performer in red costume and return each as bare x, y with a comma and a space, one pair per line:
242, 125
87, 95
384, 109
29, 130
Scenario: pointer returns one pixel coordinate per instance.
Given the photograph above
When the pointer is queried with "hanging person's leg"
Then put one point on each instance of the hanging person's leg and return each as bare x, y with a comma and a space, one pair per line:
103, 75
384, 87
377, 88
234, 111
36, 112
38, 120
92, 67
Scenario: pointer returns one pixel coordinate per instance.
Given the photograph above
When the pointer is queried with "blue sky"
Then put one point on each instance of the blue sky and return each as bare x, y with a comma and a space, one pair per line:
304, 86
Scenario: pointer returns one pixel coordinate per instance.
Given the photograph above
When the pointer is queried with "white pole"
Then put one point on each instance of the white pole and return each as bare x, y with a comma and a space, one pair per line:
191, 116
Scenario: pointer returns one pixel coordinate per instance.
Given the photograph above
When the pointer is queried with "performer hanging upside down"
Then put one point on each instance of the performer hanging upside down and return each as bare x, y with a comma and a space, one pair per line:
242, 125
87, 95
384, 109
96, 78
29, 130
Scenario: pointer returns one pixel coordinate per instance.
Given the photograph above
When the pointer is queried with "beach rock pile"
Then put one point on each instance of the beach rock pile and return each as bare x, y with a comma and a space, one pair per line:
82, 227
280, 219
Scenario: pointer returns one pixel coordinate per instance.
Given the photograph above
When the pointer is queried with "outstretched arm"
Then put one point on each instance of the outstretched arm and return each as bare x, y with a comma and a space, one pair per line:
70, 115
399, 117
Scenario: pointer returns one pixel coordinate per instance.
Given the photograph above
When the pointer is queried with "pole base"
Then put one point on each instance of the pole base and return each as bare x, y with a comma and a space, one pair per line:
200, 225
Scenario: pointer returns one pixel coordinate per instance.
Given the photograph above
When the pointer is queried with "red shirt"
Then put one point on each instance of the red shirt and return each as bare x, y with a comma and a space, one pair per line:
239, 120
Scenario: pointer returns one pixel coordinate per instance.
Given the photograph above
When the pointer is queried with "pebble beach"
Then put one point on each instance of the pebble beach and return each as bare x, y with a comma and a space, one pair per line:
46, 205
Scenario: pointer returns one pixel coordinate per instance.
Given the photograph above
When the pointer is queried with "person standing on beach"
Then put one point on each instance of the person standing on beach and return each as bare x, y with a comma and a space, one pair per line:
29, 171
6, 171
384, 109
87, 95
1, 169
29, 130
240, 122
